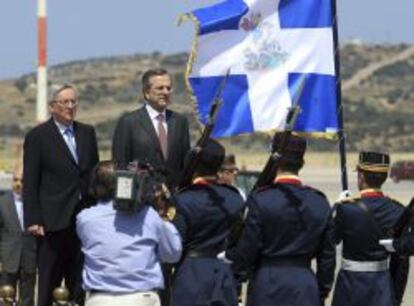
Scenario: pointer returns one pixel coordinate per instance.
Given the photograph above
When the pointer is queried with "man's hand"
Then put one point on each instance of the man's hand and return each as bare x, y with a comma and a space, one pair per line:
36, 230
388, 244
345, 194
162, 200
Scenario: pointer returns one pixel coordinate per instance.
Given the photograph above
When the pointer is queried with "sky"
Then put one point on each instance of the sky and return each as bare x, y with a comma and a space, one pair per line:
80, 29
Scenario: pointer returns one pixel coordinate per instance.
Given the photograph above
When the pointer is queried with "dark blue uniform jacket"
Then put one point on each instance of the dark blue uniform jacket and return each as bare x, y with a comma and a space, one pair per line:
205, 217
287, 223
405, 244
359, 235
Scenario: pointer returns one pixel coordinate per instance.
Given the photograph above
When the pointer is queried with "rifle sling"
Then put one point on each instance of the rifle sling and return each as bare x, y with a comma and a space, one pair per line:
371, 217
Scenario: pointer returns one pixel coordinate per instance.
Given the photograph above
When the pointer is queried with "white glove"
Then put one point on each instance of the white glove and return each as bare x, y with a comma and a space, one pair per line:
388, 244
223, 258
346, 194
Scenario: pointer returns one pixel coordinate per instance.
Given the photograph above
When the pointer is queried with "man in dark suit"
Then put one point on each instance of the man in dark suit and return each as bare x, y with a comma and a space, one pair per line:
153, 133
58, 157
18, 248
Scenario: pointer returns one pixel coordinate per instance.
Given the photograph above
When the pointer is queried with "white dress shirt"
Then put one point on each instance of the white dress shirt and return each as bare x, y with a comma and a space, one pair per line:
153, 114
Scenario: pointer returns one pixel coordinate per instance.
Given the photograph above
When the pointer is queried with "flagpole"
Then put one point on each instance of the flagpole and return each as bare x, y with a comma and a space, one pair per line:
341, 134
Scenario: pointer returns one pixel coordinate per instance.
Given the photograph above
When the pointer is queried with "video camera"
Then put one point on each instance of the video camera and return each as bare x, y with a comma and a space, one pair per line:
139, 185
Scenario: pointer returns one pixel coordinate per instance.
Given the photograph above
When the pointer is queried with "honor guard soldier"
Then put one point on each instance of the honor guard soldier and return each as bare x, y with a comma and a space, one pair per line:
288, 225
205, 214
368, 275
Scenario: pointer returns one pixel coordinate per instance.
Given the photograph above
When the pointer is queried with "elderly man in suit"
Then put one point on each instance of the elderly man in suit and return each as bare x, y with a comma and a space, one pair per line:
18, 248
58, 158
153, 133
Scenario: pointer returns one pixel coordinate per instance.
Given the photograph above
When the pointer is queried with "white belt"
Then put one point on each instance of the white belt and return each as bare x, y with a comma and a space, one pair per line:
364, 266
100, 298
136, 293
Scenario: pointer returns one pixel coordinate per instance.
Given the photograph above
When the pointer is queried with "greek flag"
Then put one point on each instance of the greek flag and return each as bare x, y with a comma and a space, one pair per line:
270, 47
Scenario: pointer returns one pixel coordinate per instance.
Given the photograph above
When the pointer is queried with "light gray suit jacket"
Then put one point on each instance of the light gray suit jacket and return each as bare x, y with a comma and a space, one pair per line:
18, 249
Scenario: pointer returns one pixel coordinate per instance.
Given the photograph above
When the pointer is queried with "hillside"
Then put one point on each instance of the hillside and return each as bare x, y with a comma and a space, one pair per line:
378, 95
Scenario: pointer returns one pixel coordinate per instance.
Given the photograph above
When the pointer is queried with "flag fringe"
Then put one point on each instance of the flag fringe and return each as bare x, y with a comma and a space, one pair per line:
190, 63
313, 135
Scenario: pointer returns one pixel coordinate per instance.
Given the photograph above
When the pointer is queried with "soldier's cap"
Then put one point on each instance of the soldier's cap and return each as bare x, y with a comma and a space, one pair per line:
213, 154
229, 163
295, 147
373, 162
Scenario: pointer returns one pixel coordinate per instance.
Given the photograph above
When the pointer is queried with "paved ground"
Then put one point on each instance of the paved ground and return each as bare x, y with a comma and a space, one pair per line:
328, 180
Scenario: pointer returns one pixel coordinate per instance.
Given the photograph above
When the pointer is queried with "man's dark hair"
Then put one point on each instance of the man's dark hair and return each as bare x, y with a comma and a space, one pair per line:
149, 74
102, 184
211, 158
291, 166
294, 152
374, 179
208, 169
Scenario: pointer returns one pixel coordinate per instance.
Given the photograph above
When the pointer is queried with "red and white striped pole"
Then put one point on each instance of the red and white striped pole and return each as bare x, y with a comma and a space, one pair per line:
41, 109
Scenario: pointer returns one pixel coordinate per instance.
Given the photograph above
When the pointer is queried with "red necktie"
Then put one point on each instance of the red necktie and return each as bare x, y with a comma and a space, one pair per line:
162, 135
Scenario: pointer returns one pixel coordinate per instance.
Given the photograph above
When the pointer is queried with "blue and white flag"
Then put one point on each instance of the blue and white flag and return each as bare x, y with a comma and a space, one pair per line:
270, 46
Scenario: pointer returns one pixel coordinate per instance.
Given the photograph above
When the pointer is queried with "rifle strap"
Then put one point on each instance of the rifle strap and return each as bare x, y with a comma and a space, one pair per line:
295, 201
371, 218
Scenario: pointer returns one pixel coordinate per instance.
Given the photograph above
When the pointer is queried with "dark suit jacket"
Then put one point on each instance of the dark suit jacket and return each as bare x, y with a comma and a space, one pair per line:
136, 138
18, 248
53, 180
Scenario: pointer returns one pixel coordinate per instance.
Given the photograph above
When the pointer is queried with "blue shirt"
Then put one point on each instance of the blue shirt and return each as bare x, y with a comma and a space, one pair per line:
123, 251
62, 128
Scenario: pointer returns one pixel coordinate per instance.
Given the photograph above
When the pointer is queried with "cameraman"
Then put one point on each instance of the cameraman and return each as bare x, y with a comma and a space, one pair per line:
123, 250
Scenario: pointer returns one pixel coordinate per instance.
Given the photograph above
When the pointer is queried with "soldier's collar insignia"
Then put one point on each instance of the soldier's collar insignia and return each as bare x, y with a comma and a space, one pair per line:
203, 180
349, 200
288, 179
371, 193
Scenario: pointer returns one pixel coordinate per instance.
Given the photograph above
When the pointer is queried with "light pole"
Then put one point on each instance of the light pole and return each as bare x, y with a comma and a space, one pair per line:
41, 106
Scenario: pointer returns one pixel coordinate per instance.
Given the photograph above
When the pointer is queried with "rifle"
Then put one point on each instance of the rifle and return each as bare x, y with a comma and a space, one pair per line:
403, 221
193, 158
268, 173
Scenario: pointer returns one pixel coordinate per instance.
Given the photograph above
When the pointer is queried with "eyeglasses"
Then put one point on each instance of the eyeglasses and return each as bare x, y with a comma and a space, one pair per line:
234, 171
67, 102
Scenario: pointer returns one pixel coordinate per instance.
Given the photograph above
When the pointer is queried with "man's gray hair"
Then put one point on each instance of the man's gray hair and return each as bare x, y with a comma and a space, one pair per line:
55, 89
